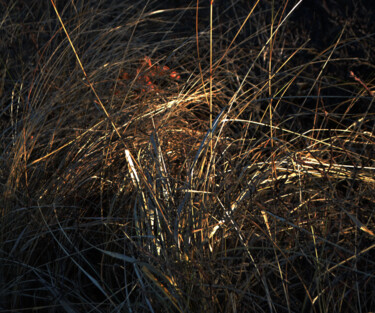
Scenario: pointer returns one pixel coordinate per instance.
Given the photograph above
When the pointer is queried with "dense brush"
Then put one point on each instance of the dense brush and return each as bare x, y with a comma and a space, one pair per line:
164, 158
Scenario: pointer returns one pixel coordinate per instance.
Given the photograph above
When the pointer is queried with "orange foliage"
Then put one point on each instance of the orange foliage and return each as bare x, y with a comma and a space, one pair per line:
147, 76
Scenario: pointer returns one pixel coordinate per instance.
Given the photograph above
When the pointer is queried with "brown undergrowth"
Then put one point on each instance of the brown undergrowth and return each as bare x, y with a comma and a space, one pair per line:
151, 162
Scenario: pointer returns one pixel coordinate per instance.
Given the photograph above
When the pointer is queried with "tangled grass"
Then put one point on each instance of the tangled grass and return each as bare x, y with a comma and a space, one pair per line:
244, 186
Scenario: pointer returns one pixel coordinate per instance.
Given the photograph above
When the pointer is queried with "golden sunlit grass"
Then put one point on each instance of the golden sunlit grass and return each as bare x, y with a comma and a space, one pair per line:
208, 157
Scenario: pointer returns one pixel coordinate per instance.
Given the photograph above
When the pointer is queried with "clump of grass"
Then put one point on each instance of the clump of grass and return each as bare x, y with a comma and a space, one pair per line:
246, 185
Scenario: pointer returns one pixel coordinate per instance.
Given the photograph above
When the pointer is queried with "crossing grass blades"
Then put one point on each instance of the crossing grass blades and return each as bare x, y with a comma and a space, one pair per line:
176, 156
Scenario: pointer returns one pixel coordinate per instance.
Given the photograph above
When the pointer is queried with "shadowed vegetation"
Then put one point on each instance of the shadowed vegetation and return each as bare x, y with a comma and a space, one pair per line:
160, 156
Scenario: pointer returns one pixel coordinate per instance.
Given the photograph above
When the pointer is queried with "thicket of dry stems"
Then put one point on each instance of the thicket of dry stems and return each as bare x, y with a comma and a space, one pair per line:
135, 209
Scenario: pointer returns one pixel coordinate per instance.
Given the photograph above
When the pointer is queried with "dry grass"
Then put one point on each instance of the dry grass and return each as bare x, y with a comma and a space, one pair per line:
117, 197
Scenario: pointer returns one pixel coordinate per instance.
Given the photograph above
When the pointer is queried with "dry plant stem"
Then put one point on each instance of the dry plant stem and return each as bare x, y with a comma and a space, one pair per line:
96, 95
211, 70
84, 73
272, 134
236, 35
369, 91
211, 163
198, 53
270, 88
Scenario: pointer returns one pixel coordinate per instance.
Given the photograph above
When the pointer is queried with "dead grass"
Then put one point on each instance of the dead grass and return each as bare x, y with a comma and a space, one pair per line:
119, 197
